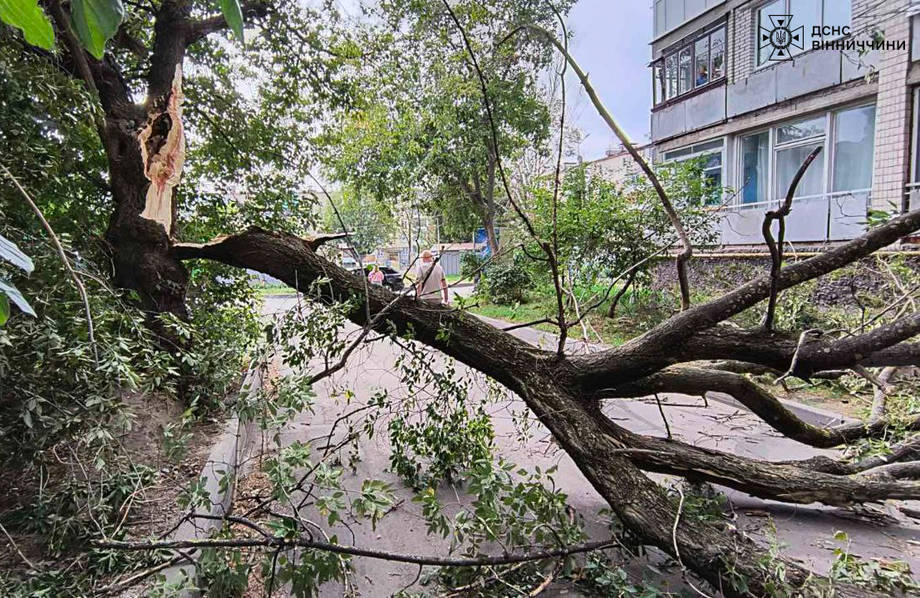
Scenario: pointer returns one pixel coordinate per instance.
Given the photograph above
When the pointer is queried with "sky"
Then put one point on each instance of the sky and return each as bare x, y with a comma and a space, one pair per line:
611, 43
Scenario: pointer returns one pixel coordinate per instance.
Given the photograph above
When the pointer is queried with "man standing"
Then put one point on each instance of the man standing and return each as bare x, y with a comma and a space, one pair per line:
430, 283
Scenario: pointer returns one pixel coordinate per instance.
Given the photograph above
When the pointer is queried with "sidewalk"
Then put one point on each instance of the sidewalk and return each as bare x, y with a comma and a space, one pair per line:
807, 532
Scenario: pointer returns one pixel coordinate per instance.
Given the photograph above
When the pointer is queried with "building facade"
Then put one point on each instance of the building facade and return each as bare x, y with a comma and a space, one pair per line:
618, 165
752, 87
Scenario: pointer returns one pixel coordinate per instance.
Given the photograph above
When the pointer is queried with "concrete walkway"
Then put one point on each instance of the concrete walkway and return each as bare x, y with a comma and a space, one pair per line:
806, 531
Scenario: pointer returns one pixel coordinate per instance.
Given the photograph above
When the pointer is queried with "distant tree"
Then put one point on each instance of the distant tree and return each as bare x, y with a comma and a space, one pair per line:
368, 222
423, 122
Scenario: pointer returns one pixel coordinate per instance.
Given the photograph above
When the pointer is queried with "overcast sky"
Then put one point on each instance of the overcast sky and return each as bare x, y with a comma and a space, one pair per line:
611, 43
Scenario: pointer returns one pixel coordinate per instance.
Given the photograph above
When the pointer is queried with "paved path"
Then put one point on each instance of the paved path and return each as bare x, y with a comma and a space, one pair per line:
807, 530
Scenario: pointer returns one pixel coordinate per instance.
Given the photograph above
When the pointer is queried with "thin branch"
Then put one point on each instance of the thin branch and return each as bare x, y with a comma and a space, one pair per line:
278, 542
546, 247
664, 419
776, 247
60, 250
79, 58
687, 248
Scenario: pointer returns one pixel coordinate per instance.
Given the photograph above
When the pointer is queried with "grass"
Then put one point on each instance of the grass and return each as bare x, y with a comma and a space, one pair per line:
269, 290
636, 313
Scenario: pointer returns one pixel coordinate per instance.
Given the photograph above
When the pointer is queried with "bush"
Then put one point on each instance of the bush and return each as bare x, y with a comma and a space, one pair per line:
505, 282
471, 264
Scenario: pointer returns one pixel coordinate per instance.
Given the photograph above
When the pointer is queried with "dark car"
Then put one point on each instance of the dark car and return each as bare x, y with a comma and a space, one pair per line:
392, 279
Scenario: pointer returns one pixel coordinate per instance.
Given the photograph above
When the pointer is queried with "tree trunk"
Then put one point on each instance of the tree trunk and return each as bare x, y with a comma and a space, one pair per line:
488, 222
145, 149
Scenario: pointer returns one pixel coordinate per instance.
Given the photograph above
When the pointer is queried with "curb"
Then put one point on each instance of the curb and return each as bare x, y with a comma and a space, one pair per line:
231, 449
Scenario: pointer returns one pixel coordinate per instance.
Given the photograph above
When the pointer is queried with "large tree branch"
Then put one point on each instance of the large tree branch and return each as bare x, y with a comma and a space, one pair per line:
653, 350
794, 482
883, 346
456, 333
603, 454
696, 381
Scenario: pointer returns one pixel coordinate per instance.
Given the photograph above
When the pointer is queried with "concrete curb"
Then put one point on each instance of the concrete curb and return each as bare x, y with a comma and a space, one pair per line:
231, 449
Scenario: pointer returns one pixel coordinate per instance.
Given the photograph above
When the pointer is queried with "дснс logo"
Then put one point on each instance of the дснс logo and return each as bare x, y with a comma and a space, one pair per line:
781, 37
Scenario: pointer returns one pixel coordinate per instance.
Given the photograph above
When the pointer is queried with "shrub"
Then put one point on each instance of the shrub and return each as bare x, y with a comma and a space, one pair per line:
471, 264
505, 282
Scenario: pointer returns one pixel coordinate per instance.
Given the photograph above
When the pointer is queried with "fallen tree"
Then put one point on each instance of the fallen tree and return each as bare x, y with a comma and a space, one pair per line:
144, 145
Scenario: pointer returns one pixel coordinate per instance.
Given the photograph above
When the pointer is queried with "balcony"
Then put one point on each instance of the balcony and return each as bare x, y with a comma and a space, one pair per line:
814, 219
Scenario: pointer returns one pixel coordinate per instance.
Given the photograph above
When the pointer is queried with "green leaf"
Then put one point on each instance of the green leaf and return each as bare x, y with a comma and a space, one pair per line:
95, 22
27, 16
234, 15
10, 252
4, 309
13, 293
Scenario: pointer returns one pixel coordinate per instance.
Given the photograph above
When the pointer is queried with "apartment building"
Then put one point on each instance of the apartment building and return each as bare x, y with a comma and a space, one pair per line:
752, 87
618, 165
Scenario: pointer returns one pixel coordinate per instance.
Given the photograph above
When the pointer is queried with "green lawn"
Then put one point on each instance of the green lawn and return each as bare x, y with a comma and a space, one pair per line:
266, 290
633, 316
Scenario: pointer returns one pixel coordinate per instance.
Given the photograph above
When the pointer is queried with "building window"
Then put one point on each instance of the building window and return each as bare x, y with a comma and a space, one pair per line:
670, 75
794, 142
717, 43
691, 65
854, 148
685, 75
769, 159
657, 83
755, 167
701, 61
806, 14
710, 155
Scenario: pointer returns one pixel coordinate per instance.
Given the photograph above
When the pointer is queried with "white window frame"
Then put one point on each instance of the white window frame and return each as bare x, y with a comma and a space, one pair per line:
827, 151
723, 149
674, 51
826, 148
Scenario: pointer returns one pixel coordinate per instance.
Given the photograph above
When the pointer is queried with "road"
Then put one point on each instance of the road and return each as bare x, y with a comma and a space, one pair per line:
807, 531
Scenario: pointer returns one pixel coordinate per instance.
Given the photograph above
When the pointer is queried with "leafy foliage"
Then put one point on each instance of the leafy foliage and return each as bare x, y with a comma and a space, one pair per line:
368, 221
505, 280
430, 141
435, 433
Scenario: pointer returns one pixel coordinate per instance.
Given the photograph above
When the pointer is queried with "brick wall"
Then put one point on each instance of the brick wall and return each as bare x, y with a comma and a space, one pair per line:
741, 43
892, 120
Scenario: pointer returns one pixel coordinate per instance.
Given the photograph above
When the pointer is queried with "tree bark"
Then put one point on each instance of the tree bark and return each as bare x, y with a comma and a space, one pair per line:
606, 454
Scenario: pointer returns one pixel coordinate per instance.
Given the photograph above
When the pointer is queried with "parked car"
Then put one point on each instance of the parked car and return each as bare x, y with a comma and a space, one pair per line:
392, 279
350, 264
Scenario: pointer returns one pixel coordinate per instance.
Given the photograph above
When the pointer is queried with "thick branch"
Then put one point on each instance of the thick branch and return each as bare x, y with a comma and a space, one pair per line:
883, 346
657, 347
695, 381
794, 482
456, 333
541, 379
